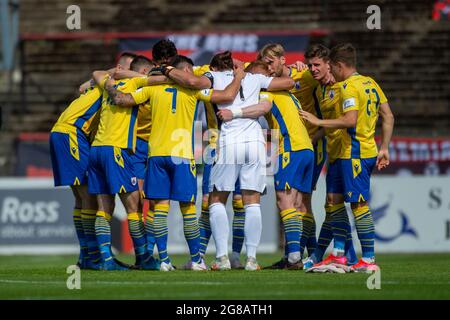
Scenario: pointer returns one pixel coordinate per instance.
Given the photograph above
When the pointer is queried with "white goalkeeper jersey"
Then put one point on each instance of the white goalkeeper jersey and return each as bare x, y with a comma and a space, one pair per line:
243, 129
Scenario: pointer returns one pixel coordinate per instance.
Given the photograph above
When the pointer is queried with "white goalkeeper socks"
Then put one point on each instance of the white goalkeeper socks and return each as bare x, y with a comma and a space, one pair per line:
219, 227
252, 228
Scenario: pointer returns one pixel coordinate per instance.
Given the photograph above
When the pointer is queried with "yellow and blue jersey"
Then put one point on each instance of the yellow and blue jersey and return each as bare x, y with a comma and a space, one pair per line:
328, 99
304, 92
174, 110
212, 123
200, 70
144, 121
117, 126
81, 113
364, 95
285, 117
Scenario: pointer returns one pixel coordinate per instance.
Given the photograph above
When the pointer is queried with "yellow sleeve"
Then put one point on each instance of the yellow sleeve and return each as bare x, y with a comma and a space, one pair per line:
383, 98
142, 94
204, 95
297, 75
200, 70
139, 82
349, 96
265, 96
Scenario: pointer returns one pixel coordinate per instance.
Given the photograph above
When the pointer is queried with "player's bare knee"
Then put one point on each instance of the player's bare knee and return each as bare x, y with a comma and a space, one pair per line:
356, 205
250, 197
237, 196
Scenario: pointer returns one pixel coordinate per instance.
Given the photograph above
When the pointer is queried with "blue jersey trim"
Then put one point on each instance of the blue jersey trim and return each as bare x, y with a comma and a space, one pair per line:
133, 118
356, 146
193, 125
283, 128
79, 123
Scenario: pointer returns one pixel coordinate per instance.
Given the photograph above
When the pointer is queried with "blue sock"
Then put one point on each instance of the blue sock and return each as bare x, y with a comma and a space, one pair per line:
238, 225
205, 227
292, 230
366, 231
340, 226
161, 230
191, 231
151, 240
137, 233
325, 237
82, 240
103, 233
88, 219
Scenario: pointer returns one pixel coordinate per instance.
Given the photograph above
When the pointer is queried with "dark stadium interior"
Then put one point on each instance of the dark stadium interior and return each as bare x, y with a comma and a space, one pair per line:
409, 56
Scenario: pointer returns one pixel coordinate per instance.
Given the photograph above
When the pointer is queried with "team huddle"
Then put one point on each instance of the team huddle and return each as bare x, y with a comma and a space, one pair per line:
131, 133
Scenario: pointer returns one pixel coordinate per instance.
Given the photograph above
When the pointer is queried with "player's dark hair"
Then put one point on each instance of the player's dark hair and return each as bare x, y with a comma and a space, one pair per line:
139, 62
180, 61
125, 55
345, 53
163, 51
317, 50
257, 64
222, 61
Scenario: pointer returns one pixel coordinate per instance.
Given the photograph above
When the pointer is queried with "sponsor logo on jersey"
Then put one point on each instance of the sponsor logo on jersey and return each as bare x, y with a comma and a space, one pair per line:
350, 102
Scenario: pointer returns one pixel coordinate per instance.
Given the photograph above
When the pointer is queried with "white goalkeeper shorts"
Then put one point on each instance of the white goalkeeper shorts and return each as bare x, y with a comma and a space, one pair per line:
244, 161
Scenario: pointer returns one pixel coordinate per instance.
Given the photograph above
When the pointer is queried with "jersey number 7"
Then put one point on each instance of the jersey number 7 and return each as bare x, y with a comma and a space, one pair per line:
174, 98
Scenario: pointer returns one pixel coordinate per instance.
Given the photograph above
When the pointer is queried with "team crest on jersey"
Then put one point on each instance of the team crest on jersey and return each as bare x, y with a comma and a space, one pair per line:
331, 94
297, 85
206, 92
118, 157
344, 86
74, 150
133, 181
349, 194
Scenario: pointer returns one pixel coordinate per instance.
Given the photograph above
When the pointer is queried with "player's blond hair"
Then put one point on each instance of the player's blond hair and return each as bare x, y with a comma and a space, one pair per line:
271, 50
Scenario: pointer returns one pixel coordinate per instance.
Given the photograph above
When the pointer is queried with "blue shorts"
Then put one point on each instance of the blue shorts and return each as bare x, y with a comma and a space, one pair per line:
70, 157
356, 176
166, 179
335, 183
320, 156
205, 181
111, 171
295, 170
140, 157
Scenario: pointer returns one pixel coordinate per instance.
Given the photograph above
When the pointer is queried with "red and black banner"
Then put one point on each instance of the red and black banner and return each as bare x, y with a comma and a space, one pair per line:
200, 47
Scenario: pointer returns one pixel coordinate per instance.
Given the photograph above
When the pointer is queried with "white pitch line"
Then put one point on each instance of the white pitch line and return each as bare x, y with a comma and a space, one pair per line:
204, 283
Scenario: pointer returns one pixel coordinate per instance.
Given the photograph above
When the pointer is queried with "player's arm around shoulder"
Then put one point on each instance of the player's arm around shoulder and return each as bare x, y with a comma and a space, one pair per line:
105, 81
254, 111
139, 79
230, 92
281, 84
186, 79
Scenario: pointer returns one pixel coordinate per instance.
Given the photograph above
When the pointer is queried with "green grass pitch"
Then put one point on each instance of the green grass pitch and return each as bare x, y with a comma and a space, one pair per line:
403, 276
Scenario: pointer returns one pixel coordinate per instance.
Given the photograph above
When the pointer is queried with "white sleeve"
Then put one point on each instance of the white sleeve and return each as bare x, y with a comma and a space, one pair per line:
264, 81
